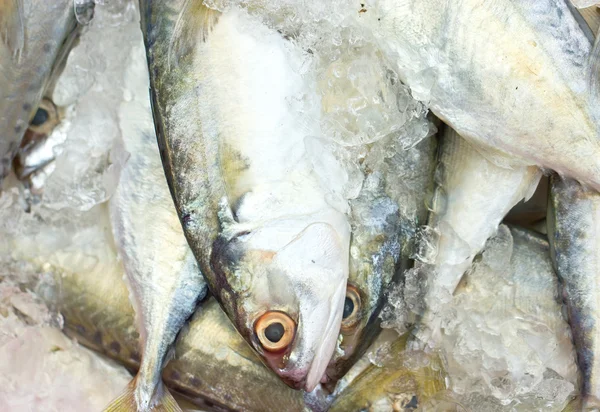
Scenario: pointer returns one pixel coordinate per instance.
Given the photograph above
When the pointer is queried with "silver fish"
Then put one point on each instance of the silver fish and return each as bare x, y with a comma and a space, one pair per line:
574, 229
273, 250
35, 40
472, 197
508, 75
382, 244
162, 274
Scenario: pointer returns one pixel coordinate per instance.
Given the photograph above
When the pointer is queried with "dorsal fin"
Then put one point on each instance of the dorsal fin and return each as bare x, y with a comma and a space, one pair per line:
194, 23
12, 32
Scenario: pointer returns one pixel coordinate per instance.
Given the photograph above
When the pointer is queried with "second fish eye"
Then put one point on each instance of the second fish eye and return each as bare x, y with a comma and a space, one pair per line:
41, 116
352, 305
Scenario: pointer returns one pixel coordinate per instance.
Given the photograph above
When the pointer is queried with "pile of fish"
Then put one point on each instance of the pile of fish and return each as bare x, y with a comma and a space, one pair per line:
385, 206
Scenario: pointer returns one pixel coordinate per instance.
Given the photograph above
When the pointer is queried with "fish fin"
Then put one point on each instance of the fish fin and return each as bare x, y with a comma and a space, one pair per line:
195, 22
12, 32
163, 401
125, 402
532, 180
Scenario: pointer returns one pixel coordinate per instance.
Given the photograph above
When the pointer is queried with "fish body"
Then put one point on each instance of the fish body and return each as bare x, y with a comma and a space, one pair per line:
35, 40
162, 274
212, 365
385, 217
472, 196
574, 233
273, 250
511, 76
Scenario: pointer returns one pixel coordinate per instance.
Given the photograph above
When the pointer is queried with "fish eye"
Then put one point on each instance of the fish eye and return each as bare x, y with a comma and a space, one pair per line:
275, 331
46, 117
41, 117
351, 308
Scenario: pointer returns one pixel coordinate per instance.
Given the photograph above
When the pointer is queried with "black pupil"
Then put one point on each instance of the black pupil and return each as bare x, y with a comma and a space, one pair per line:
41, 116
274, 332
348, 307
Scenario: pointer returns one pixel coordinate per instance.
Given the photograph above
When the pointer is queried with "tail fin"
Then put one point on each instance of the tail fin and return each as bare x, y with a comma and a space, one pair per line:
162, 401
582, 403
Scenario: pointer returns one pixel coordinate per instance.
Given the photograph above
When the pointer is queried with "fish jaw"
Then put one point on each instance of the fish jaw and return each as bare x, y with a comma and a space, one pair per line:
309, 358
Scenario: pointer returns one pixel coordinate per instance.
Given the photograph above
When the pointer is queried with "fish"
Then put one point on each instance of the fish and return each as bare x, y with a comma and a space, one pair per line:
162, 274
35, 40
398, 380
471, 198
212, 366
274, 252
573, 225
510, 76
382, 244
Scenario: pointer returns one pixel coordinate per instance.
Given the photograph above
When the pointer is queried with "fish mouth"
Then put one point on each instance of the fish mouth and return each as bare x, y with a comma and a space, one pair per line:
318, 366
307, 375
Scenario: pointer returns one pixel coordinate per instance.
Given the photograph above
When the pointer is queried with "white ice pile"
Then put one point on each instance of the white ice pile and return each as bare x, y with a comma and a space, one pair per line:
87, 166
367, 115
505, 340
38, 364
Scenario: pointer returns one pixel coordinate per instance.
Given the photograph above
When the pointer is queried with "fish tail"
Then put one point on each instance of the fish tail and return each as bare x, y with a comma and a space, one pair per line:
582, 403
163, 401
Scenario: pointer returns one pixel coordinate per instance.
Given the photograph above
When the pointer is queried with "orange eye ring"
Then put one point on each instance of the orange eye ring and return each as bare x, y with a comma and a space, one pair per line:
275, 331
45, 118
352, 307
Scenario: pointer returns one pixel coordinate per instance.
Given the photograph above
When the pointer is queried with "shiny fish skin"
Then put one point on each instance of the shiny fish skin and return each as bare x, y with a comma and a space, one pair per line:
510, 75
574, 233
382, 247
163, 277
32, 54
212, 365
251, 208
472, 197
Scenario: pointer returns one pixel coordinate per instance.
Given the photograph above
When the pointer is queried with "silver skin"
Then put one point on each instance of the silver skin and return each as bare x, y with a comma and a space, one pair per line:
509, 75
382, 246
35, 39
251, 206
164, 281
574, 234
472, 196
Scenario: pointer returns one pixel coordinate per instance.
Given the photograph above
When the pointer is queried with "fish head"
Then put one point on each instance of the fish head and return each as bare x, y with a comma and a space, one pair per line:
376, 257
287, 302
360, 326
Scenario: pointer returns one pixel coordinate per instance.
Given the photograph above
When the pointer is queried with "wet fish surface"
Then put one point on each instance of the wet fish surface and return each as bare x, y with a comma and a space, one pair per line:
573, 228
212, 365
509, 75
273, 250
385, 217
35, 40
162, 274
